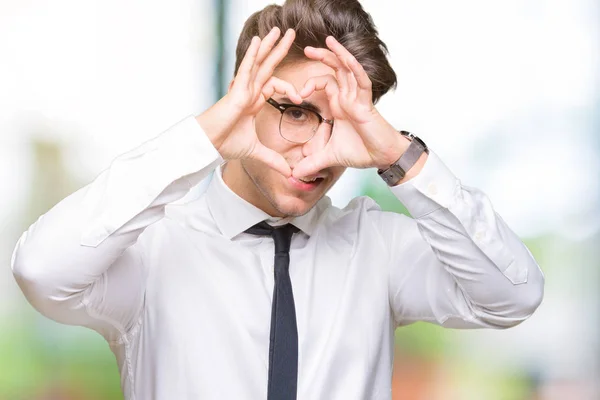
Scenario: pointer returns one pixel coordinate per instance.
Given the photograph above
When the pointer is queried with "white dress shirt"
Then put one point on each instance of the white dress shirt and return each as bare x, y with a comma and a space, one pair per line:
183, 295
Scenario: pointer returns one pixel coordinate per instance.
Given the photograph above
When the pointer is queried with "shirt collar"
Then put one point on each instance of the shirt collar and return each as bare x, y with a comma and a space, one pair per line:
233, 215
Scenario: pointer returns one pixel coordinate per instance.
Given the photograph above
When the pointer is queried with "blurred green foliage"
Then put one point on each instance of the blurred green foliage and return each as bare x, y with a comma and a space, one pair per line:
44, 360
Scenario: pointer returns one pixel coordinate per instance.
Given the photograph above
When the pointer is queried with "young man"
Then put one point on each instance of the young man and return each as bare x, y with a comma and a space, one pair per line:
207, 300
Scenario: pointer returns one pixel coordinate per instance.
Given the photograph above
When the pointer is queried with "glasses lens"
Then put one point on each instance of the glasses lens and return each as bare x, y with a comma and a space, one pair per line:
298, 124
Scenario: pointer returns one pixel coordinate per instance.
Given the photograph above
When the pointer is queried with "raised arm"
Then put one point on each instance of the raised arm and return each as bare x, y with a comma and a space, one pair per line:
457, 263
81, 262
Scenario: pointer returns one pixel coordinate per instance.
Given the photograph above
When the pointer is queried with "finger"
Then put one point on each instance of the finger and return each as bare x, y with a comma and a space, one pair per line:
249, 58
267, 44
345, 58
331, 87
274, 58
359, 76
339, 50
327, 57
272, 159
352, 84
362, 79
276, 85
331, 60
312, 164
324, 82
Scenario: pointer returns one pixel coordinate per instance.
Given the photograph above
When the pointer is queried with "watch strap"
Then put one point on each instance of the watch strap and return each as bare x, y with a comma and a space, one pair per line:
407, 160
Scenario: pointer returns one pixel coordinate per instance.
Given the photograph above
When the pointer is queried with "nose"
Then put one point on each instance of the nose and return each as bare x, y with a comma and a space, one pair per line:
318, 142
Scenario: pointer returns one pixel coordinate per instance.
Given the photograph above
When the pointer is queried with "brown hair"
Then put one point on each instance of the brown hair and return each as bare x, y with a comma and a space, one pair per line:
313, 21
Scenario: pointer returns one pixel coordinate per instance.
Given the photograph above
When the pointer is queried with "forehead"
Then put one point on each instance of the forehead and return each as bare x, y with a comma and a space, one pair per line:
297, 73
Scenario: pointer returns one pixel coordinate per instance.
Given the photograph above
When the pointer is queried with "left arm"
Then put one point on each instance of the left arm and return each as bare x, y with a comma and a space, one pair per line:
457, 263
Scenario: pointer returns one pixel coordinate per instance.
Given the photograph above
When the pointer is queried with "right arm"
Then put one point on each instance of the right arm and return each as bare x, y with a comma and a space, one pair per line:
80, 263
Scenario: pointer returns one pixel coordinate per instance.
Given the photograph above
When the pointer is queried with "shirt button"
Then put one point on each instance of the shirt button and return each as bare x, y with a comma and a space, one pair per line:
432, 189
479, 236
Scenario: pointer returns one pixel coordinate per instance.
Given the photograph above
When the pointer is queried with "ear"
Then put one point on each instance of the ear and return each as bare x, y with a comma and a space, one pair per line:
230, 85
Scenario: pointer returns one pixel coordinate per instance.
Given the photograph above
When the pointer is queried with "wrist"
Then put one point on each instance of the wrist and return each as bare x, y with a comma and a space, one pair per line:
394, 153
409, 164
391, 144
415, 170
217, 122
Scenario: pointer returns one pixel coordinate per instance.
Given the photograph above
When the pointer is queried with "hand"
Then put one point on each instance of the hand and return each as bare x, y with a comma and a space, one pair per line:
230, 123
361, 137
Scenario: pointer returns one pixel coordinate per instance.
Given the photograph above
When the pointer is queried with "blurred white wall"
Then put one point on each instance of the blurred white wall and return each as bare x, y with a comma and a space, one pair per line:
98, 78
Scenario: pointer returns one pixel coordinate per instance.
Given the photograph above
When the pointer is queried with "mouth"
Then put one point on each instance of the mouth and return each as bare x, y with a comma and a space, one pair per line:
308, 183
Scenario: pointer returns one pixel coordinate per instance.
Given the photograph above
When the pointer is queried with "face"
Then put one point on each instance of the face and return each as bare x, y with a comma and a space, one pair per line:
268, 189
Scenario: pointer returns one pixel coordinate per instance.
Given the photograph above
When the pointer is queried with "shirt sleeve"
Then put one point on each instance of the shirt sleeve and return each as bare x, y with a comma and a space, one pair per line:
456, 263
80, 263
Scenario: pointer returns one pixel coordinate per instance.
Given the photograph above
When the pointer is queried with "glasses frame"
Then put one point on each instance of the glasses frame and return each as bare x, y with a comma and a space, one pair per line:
282, 107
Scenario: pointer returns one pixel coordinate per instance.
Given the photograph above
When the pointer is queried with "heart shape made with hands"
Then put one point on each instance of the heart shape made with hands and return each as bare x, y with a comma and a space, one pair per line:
361, 138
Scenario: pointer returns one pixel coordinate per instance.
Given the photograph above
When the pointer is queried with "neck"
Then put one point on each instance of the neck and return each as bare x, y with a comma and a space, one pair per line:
237, 179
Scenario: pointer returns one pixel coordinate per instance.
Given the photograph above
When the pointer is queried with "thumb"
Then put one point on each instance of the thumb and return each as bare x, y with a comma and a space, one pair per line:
272, 159
312, 164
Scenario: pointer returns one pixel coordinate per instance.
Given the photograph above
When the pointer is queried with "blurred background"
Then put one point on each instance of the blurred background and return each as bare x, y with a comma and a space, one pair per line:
507, 92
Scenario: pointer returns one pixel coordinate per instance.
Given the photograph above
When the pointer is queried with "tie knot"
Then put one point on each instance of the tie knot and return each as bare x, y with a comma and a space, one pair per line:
282, 235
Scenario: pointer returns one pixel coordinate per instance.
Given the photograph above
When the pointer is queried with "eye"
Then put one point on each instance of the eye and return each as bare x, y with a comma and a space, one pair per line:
294, 114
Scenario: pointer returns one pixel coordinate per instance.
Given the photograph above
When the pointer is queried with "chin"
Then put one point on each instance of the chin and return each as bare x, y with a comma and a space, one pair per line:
292, 206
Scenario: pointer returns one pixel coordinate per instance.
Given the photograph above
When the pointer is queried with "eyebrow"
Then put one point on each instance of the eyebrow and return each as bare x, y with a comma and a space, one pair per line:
305, 104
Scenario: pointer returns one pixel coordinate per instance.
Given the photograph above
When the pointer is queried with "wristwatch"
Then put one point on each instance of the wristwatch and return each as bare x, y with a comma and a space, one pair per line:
398, 170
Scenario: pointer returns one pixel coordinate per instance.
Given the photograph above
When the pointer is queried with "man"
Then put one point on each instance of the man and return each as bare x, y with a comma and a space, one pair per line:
261, 288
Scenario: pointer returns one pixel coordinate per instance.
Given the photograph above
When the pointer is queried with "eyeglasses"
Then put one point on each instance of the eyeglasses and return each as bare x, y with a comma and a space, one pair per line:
298, 124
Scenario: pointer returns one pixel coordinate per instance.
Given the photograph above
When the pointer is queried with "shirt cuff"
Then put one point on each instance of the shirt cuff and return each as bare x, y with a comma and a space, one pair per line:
434, 187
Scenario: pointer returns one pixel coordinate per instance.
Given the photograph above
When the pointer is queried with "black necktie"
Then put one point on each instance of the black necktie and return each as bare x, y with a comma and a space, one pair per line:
283, 344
